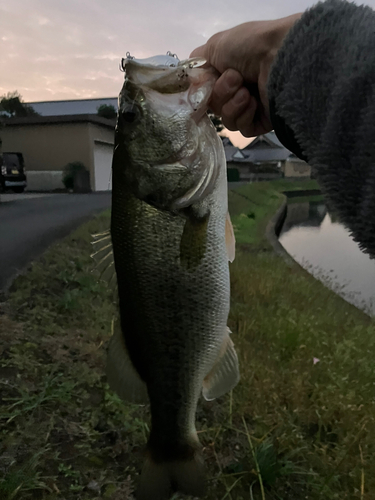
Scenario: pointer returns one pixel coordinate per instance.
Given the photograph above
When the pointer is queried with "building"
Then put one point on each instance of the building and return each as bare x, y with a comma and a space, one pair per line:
49, 143
229, 149
65, 132
71, 131
295, 167
266, 158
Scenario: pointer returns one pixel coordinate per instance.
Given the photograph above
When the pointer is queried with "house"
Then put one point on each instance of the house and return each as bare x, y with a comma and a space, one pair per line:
266, 158
229, 149
65, 132
49, 143
295, 167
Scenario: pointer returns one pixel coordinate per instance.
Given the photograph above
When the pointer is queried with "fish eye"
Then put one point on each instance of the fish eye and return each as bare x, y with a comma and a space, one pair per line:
129, 116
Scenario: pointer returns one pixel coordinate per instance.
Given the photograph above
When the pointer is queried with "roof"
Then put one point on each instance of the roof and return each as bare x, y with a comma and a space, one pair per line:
226, 141
264, 149
269, 140
46, 120
230, 151
72, 107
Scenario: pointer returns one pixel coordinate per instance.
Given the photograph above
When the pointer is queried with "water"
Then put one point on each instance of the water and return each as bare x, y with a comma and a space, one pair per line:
324, 246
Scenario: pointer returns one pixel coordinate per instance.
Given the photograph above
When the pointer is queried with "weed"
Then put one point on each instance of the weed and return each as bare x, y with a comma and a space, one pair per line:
293, 428
22, 481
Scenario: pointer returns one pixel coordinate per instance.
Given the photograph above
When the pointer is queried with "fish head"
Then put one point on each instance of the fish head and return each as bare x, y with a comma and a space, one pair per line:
163, 132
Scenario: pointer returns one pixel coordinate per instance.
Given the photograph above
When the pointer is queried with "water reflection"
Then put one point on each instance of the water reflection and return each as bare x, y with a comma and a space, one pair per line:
311, 236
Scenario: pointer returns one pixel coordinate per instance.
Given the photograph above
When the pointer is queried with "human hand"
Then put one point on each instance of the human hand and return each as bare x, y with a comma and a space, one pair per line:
244, 55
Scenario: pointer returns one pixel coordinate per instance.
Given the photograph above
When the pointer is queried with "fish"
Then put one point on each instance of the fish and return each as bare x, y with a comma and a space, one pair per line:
168, 251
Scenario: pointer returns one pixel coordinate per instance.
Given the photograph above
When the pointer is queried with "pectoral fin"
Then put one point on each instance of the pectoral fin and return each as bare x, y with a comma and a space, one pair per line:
193, 243
230, 240
224, 375
121, 374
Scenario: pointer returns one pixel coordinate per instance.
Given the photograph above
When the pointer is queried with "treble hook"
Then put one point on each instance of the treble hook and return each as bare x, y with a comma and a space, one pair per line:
123, 62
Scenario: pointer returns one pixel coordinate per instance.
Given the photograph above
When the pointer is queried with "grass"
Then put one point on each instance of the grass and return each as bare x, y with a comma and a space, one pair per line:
300, 425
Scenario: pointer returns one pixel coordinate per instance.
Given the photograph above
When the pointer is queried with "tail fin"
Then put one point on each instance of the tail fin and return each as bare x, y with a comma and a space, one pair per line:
159, 480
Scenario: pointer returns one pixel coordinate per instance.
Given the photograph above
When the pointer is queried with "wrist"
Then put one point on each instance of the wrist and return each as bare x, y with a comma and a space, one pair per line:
277, 32
273, 39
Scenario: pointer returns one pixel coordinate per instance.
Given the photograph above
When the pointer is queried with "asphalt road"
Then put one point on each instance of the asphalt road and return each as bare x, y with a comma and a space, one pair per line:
29, 225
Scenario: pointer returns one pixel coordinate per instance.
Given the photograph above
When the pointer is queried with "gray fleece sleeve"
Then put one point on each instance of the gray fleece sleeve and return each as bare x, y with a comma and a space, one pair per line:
322, 102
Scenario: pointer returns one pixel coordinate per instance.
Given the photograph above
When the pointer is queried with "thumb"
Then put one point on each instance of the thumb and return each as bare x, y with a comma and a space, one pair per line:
199, 51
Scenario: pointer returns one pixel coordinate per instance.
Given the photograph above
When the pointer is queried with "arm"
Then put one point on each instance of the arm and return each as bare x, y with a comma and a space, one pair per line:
321, 93
311, 77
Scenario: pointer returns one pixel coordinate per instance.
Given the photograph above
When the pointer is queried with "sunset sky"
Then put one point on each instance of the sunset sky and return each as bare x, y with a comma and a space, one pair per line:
71, 49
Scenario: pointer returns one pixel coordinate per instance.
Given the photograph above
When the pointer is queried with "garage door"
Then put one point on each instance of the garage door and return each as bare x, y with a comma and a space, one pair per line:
103, 165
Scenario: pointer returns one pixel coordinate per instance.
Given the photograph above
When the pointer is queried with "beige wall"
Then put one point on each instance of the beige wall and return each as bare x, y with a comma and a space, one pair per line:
98, 133
296, 168
49, 146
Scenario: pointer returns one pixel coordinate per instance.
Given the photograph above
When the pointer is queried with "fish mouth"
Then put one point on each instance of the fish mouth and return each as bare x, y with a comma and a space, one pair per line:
167, 78
162, 61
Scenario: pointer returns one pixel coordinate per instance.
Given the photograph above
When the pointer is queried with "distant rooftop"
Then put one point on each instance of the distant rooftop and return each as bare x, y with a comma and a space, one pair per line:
269, 140
44, 120
265, 148
72, 107
226, 141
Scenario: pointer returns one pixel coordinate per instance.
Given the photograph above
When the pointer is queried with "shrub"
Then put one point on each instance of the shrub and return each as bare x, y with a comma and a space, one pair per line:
70, 171
107, 111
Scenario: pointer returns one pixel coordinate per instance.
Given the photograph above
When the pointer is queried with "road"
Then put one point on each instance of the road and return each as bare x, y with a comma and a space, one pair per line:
29, 224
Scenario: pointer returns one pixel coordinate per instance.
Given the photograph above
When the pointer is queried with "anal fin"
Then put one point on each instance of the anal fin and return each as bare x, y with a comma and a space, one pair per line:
121, 374
225, 374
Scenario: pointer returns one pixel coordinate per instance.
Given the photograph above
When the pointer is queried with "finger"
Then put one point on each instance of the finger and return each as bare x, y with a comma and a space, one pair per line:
199, 52
235, 107
225, 89
245, 121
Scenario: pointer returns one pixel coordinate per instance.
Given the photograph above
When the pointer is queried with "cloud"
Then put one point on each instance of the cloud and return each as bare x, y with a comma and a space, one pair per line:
54, 49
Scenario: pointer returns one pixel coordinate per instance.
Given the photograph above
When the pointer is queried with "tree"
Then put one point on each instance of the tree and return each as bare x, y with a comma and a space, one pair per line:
12, 105
216, 120
107, 111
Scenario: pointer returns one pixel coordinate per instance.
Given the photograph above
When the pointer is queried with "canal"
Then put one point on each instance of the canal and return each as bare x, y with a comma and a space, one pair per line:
323, 246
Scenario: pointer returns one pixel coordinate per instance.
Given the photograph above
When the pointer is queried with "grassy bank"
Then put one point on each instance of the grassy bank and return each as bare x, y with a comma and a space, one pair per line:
301, 423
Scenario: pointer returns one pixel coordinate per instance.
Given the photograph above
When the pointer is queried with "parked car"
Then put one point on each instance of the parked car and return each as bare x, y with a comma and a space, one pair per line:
12, 172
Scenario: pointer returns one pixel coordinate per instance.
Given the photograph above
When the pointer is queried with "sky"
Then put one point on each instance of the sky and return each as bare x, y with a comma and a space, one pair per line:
71, 49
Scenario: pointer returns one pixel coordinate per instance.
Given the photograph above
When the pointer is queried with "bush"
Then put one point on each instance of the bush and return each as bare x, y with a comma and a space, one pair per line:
107, 111
70, 171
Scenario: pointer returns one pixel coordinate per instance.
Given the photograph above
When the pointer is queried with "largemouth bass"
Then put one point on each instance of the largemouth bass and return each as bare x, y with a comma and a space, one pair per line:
172, 240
